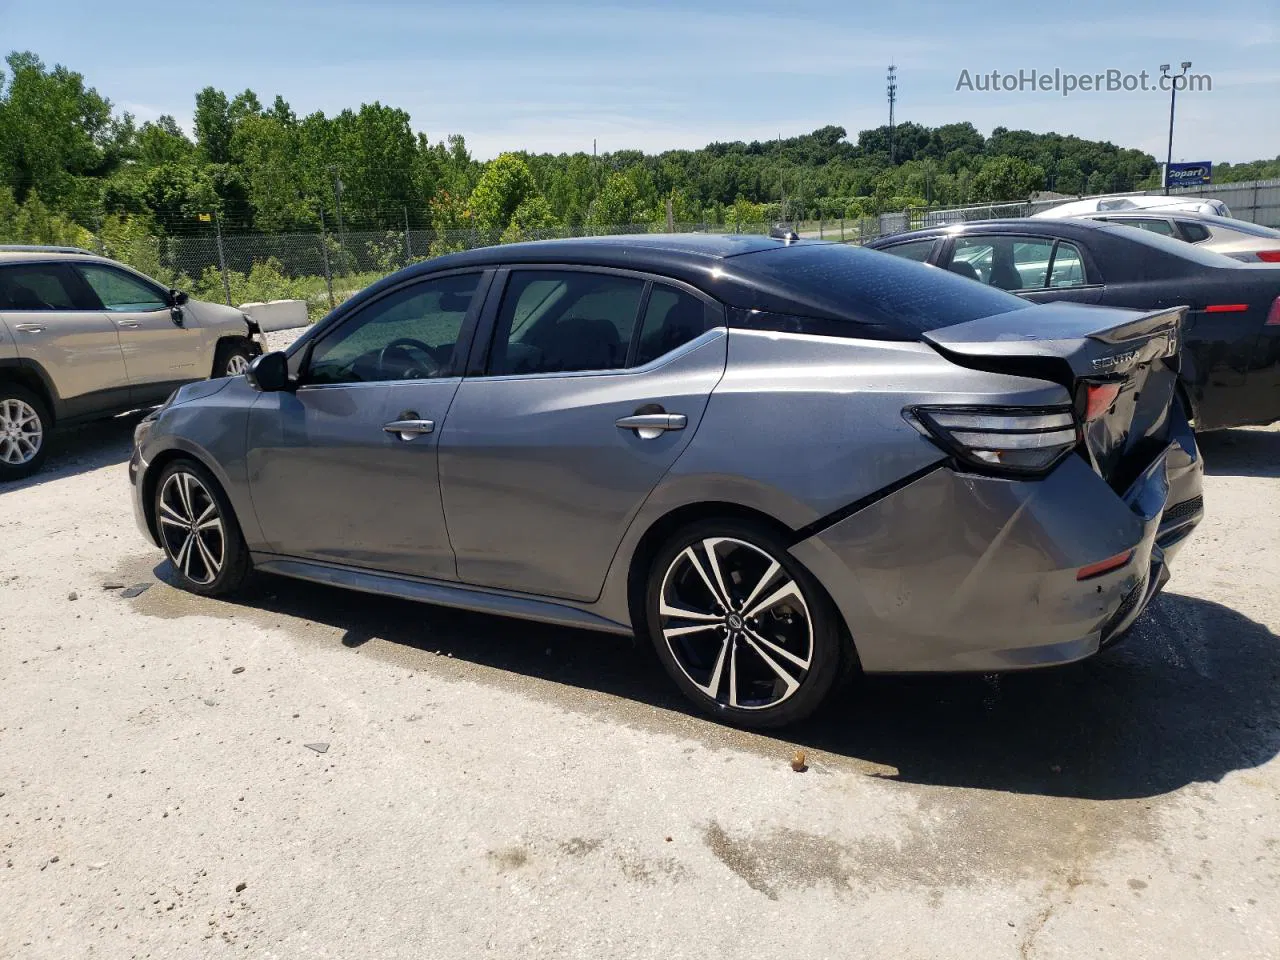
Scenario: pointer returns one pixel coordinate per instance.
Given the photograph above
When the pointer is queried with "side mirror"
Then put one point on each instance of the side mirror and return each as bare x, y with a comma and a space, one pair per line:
177, 298
269, 373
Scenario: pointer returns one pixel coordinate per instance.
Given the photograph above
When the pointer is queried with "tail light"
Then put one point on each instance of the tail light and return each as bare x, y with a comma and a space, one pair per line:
1098, 399
1273, 315
1269, 256
1018, 441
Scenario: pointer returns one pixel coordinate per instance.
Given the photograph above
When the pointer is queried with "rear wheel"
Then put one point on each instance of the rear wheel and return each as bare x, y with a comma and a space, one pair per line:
198, 530
24, 431
745, 631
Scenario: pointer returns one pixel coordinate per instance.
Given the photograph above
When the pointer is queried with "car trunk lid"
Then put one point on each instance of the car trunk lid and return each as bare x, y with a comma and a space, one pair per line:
1120, 366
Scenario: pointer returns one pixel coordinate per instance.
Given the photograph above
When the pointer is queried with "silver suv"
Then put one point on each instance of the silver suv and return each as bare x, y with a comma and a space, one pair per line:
84, 337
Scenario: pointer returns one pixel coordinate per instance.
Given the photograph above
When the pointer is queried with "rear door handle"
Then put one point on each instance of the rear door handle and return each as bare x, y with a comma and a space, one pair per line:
409, 429
650, 425
29, 327
131, 324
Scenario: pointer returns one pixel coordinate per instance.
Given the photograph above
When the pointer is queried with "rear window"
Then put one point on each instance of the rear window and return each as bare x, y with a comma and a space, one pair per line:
874, 288
1176, 248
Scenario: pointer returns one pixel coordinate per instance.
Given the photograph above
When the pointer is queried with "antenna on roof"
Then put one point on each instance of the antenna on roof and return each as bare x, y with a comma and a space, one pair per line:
781, 231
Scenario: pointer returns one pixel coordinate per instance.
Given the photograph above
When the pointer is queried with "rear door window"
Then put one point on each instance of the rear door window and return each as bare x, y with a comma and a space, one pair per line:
1010, 263
38, 286
565, 321
1068, 266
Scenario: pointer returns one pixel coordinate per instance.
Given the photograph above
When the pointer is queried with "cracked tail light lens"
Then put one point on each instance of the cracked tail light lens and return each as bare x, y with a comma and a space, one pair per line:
1018, 441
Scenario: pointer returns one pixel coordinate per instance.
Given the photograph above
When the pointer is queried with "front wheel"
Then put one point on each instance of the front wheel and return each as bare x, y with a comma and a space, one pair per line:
746, 632
233, 359
198, 530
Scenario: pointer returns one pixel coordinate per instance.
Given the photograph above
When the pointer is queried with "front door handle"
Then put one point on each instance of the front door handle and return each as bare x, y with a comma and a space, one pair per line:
131, 324
29, 327
650, 426
409, 429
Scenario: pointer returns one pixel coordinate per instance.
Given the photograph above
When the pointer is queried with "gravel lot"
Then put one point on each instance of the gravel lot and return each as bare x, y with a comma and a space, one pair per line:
308, 773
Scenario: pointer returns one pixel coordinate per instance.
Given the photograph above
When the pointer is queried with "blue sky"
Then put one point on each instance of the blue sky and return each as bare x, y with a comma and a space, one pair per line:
551, 76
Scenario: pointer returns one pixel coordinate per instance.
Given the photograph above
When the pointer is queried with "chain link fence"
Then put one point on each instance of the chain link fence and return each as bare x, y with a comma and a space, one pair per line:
325, 268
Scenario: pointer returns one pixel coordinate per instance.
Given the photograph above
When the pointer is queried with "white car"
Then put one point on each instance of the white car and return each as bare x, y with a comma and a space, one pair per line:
1078, 208
1238, 239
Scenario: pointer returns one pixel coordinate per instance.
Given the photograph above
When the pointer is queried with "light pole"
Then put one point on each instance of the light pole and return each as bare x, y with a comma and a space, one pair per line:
1173, 99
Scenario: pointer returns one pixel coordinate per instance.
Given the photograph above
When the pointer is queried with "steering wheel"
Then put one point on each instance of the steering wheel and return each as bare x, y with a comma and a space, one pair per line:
413, 371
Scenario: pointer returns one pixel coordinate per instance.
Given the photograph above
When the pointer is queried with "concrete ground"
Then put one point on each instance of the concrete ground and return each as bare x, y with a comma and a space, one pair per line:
309, 773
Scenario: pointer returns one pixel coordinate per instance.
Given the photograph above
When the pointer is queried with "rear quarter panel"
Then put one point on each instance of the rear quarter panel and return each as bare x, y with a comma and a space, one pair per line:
801, 427
8, 348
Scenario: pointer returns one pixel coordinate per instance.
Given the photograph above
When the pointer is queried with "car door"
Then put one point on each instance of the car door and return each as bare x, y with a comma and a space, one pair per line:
1039, 269
344, 468
56, 324
159, 352
593, 383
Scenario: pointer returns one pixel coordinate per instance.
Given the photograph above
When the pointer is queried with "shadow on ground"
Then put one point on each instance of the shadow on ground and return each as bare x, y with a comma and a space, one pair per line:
1249, 452
1191, 695
81, 449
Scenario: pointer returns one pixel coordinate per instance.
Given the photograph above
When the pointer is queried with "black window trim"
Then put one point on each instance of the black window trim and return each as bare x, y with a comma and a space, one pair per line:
461, 349
478, 362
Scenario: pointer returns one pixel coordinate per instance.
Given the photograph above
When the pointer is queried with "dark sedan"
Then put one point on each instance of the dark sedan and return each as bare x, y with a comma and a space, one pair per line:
1231, 361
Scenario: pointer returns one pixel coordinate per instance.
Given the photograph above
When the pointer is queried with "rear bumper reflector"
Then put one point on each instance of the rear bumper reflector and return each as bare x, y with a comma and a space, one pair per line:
1104, 566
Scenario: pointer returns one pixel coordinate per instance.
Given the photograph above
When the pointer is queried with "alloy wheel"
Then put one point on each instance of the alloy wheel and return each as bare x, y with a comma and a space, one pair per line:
21, 431
191, 527
237, 364
736, 623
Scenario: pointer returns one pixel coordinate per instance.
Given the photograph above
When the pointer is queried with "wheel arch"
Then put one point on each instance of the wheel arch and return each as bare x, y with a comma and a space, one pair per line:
155, 467
33, 377
226, 342
663, 527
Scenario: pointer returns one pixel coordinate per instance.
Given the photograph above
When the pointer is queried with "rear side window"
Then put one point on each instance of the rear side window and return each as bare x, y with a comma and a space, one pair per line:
671, 319
1193, 232
564, 321
37, 286
917, 250
886, 294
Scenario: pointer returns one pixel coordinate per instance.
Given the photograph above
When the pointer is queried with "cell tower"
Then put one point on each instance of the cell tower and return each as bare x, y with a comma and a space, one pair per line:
892, 89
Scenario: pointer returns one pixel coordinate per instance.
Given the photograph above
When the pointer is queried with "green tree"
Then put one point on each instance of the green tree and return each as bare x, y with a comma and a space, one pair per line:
1007, 178
213, 125
54, 131
505, 184
618, 205
532, 220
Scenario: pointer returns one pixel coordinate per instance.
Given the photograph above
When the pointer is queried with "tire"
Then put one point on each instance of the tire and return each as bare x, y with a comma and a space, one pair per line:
763, 671
232, 358
213, 559
24, 432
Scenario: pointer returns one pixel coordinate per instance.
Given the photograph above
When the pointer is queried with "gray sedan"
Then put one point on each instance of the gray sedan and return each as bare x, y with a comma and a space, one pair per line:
780, 461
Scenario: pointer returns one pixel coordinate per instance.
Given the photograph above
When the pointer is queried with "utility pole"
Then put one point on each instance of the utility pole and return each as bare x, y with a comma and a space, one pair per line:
892, 89
1174, 79
782, 182
337, 199
222, 258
